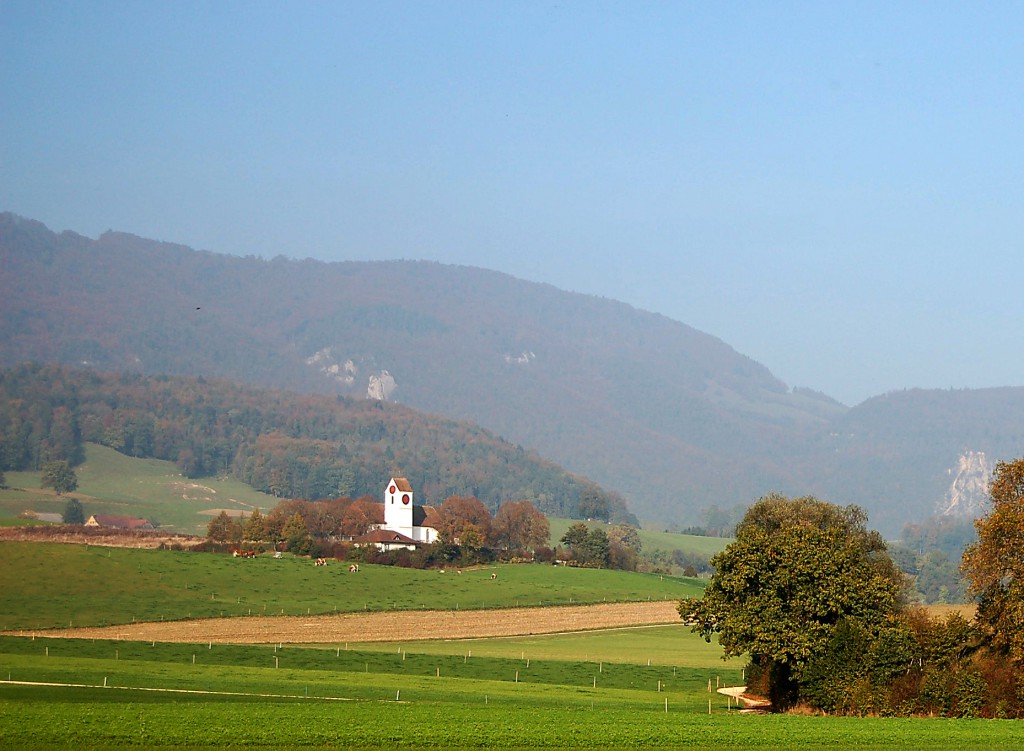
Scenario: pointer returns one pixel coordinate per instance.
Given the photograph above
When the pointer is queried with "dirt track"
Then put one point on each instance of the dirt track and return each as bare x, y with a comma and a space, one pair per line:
387, 626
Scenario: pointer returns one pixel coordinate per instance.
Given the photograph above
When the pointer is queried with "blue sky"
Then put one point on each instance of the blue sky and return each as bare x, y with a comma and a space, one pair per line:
835, 189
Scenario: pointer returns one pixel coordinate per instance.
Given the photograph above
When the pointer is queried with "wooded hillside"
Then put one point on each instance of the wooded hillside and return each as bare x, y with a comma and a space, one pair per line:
673, 419
290, 445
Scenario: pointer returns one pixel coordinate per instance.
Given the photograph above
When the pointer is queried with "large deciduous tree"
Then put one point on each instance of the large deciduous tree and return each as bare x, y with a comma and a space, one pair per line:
519, 526
459, 515
223, 529
59, 476
797, 569
360, 516
589, 547
995, 563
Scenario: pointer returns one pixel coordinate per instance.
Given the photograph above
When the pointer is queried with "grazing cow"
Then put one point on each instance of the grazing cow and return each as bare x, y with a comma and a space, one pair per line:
353, 568
494, 576
320, 562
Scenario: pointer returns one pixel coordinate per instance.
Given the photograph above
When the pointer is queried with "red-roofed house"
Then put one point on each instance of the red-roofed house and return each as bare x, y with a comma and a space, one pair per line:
111, 521
385, 539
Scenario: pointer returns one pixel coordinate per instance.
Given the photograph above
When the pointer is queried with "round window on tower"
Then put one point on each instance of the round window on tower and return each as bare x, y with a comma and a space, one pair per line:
405, 499
391, 490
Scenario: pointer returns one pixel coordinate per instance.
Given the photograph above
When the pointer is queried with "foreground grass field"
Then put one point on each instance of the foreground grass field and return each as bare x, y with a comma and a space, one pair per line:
621, 689
49, 585
192, 696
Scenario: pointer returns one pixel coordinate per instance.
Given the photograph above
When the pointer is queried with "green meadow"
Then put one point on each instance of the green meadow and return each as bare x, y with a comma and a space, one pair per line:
617, 689
656, 645
51, 585
651, 540
174, 696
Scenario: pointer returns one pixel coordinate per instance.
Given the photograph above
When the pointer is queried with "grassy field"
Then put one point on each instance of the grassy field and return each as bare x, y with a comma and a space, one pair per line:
48, 585
132, 695
658, 645
619, 689
651, 540
111, 483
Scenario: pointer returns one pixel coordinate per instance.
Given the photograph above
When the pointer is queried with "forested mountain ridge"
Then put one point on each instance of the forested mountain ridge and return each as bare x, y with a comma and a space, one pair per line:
672, 418
286, 444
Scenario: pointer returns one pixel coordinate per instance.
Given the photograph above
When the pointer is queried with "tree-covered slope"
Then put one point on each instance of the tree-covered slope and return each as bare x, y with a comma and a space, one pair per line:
287, 444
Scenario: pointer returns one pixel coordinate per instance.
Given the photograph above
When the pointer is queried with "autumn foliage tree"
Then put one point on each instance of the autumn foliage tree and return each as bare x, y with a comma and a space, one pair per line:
223, 529
519, 526
995, 563
459, 514
253, 529
360, 516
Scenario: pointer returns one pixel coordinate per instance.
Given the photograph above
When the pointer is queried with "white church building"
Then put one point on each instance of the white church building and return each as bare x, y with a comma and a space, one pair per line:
405, 524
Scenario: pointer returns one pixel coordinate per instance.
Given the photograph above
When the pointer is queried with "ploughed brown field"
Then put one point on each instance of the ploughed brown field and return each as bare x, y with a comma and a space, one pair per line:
382, 626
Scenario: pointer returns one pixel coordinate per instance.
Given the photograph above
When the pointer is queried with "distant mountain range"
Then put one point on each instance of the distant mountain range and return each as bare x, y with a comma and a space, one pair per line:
672, 418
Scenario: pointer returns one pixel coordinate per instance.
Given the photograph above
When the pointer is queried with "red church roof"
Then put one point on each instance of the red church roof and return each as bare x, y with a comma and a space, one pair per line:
385, 536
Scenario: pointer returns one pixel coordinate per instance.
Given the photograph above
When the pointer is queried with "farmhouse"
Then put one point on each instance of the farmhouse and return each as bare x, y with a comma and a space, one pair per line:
405, 524
111, 521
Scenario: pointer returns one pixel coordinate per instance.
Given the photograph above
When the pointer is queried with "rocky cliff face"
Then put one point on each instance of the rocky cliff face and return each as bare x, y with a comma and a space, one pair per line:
968, 491
381, 386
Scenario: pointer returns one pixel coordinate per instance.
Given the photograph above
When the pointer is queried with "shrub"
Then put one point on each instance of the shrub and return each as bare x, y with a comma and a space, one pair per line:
968, 694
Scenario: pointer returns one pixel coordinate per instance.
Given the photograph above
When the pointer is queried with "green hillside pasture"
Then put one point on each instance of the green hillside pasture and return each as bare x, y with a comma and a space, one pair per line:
651, 540
48, 585
318, 698
111, 483
694, 544
23, 494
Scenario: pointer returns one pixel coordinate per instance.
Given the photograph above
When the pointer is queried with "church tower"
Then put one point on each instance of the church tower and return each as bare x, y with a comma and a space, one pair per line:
398, 506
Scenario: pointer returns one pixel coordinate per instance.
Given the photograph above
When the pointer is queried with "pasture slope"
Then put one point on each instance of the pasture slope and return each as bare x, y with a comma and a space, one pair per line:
112, 483
88, 585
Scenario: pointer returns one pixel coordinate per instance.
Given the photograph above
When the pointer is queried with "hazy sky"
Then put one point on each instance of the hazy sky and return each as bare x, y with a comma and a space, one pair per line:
834, 189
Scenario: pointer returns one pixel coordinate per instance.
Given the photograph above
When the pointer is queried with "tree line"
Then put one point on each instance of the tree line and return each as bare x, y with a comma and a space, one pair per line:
289, 445
812, 597
467, 533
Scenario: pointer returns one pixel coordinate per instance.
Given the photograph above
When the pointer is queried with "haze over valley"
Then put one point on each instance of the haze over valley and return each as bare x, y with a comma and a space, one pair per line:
671, 418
